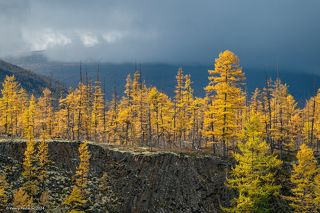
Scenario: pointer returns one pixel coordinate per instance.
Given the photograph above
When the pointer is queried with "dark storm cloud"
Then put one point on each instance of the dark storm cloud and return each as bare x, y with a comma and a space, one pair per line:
262, 33
12, 15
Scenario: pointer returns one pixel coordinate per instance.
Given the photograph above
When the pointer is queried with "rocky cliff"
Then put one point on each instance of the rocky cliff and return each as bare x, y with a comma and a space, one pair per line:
125, 181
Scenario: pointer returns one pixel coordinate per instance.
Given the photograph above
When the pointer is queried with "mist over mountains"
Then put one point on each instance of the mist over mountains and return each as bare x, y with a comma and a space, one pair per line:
161, 75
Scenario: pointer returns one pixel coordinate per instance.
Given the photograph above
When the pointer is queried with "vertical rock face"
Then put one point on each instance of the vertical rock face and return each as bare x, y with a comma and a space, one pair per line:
139, 182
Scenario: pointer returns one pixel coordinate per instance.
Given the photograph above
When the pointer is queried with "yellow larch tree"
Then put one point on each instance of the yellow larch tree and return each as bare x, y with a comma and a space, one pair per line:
226, 99
188, 109
128, 90
61, 123
124, 121
124, 118
66, 117
285, 115
303, 177
98, 114
136, 129
29, 120
45, 113
294, 124
11, 103
82, 172
112, 121
197, 117
144, 128
256, 106
75, 108
30, 184
139, 111
253, 177
311, 121
81, 117
22, 199
161, 114
43, 155
78, 196
279, 130
208, 123
317, 191
256, 102
267, 111
42, 163
316, 120
154, 103
4, 197
166, 112
9, 93
23, 102
178, 119
88, 100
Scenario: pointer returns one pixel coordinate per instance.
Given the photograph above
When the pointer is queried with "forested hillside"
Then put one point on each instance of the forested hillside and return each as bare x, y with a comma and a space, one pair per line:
33, 83
274, 143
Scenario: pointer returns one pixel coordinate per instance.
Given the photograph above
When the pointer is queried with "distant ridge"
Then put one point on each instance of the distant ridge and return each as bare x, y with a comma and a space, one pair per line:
32, 82
302, 84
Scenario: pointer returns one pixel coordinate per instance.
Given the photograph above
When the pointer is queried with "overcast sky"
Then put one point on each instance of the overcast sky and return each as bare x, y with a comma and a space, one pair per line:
261, 33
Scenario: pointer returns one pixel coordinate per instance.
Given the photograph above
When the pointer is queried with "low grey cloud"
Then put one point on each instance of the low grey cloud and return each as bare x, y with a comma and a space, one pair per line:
262, 33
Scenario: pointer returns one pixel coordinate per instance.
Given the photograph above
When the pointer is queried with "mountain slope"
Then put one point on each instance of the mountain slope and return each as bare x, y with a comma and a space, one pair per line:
32, 82
302, 84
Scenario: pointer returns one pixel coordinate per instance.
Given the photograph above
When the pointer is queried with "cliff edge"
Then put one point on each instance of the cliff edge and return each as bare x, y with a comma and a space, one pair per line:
127, 181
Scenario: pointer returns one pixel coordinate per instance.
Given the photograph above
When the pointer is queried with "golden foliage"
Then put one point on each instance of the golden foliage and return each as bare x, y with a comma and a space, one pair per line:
305, 179
78, 197
12, 105
254, 174
44, 198
21, 199
3, 191
43, 155
226, 100
45, 120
